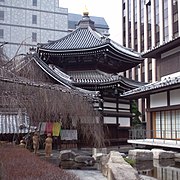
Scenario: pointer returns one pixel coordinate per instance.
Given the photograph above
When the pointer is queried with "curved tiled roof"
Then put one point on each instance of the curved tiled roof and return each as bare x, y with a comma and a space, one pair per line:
85, 45
81, 38
94, 77
87, 38
63, 78
72, 79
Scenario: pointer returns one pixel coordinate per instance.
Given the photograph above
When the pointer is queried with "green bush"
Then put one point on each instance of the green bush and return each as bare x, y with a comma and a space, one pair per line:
130, 161
136, 114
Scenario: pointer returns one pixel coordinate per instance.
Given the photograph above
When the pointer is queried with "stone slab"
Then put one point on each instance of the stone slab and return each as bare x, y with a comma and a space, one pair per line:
140, 155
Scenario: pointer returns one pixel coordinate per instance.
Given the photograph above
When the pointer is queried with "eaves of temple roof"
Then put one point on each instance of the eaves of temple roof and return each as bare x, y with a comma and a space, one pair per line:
87, 40
88, 78
87, 48
63, 79
101, 79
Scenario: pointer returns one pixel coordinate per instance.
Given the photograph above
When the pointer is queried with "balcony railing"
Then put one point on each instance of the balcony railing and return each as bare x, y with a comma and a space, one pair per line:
164, 135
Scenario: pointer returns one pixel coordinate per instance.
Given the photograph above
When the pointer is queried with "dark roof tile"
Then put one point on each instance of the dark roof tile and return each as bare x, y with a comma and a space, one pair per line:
81, 38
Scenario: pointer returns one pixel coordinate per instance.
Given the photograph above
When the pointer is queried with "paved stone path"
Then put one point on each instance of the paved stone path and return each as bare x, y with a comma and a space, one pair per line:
97, 175
88, 174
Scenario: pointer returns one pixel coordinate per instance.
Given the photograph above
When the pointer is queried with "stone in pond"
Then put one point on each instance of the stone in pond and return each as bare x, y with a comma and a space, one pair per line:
67, 155
88, 160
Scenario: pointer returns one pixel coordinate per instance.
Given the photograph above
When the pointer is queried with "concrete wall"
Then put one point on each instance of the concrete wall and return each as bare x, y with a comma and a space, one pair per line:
52, 23
169, 62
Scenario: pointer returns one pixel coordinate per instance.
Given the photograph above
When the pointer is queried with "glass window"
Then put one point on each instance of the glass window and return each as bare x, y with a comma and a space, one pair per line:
34, 2
157, 131
1, 33
1, 15
175, 17
167, 124
34, 37
34, 19
177, 123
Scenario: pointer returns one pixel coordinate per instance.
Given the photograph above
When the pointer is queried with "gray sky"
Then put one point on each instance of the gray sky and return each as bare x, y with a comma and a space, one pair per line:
109, 9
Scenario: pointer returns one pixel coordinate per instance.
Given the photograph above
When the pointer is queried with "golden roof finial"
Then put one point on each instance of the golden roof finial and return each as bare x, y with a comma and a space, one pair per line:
85, 11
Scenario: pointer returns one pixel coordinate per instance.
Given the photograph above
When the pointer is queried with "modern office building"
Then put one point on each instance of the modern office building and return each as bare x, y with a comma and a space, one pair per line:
24, 23
147, 24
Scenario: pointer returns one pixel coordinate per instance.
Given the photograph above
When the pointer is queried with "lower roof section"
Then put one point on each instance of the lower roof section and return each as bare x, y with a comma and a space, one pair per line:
167, 83
62, 78
98, 77
12, 123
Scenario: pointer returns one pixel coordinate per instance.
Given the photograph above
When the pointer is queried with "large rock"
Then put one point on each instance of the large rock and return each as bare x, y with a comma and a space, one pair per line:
163, 162
140, 155
177, 157
88, 160
143, 165
161, 154
114, 167
97, 153
67, 155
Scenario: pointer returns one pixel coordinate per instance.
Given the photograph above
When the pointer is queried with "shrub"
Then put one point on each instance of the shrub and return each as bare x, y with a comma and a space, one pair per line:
130, 161
18, 163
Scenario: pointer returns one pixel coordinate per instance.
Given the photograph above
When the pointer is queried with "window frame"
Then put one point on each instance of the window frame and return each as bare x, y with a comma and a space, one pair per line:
34, 2
1, 33
34, 37
34, 19
1, 15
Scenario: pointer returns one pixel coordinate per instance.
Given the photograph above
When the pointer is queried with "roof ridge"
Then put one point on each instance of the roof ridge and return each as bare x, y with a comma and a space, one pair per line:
95, 34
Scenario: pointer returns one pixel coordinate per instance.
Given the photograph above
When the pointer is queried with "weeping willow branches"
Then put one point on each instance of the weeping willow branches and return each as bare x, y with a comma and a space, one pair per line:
31, 89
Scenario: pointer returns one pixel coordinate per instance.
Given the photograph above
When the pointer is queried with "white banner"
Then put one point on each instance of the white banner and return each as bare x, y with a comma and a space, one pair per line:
67, 134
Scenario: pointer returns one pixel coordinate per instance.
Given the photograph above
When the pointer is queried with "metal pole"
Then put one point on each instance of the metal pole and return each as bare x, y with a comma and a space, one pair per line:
164, 136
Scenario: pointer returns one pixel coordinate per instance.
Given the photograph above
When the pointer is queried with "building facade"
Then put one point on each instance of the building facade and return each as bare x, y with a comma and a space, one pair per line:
160, 48
26, 22
147, 24
162, 97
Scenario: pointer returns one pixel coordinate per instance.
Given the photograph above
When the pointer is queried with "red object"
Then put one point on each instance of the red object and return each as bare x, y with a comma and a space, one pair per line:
49, 127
